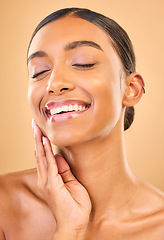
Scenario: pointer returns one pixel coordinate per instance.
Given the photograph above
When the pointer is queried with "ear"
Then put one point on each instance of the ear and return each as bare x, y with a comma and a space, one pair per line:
134, 89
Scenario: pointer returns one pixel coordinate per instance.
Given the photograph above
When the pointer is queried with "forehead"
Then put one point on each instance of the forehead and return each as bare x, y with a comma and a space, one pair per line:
66, 30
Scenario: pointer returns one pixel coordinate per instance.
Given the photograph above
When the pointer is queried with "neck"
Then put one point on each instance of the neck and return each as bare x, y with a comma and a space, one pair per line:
100, 166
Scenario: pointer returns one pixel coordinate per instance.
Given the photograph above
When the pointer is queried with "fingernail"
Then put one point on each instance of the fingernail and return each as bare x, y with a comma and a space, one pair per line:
58, 157
43, 140
34, 125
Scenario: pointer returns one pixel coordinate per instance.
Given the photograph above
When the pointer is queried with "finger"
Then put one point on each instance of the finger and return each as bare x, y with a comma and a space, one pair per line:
72, 184
64, 169
40, 156
53, 176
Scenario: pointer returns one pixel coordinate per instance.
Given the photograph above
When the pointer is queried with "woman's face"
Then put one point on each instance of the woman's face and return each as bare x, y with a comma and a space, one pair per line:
75, 86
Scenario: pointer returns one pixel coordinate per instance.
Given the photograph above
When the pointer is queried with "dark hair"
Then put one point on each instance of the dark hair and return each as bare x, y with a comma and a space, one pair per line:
120, 40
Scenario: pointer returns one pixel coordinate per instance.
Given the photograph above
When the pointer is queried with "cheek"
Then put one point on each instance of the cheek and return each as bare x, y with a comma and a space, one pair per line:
107, 102
35, 95
31, 98
104, 89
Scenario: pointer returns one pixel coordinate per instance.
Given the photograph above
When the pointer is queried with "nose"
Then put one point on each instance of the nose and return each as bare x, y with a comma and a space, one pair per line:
58, 85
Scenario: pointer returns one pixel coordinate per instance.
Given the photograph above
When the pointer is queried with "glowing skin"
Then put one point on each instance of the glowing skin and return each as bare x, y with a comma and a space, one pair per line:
78, 93
99, 85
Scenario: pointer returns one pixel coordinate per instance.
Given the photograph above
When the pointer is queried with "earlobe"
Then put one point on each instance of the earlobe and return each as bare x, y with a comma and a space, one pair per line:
135, 88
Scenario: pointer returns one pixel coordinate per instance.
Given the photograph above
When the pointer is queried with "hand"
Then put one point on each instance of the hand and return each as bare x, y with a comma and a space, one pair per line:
67, 198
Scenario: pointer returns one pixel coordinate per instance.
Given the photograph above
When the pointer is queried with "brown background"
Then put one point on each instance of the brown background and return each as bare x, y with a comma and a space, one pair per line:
143, 20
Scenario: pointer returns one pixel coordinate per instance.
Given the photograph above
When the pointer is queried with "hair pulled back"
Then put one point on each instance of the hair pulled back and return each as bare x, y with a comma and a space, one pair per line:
120, 40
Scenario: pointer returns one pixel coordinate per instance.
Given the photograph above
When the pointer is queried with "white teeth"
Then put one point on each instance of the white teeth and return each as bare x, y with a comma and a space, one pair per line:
53, 111
75, 107
70, 107
66, 108
58, 109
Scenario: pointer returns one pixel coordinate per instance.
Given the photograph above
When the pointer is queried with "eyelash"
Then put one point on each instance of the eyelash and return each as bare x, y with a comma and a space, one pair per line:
84, 65
75, 65
37, 74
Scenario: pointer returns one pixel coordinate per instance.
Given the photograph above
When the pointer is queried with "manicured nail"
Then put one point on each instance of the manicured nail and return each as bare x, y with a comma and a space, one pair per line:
43, 140
34, 125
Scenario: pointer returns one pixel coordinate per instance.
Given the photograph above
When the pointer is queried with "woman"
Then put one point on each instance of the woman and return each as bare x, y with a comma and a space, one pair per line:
82, 89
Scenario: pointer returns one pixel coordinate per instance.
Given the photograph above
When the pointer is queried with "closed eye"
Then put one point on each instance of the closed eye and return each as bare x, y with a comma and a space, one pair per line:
84, 65
39, 73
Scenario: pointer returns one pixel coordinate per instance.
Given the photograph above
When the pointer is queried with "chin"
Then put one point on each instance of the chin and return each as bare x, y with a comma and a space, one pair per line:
72, 134
64, 138
73, 138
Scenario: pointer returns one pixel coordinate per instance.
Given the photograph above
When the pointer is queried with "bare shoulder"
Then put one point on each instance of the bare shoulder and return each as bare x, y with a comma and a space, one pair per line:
148, 210
14, 187
23, 209
151, 197
13, 182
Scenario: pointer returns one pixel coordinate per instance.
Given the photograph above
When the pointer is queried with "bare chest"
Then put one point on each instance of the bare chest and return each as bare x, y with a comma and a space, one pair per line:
139, 230
36, 222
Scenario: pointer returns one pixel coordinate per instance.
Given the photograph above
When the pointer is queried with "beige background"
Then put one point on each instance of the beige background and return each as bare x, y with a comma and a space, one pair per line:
143, 20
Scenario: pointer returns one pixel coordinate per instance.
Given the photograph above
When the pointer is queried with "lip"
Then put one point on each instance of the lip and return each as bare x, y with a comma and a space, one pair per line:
61, 103
63, 116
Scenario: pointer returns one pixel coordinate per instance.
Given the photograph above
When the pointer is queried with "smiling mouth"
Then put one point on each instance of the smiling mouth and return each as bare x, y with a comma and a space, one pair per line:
64, 110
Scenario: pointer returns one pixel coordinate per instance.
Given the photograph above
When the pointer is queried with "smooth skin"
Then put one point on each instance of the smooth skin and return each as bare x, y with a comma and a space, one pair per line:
86, 190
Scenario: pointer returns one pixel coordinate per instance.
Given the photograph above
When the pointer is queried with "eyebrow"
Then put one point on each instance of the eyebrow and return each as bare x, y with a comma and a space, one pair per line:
36, 54
76, 44
68, 47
